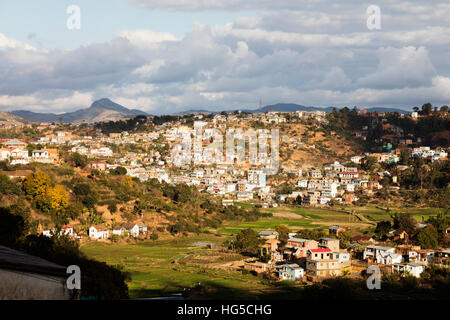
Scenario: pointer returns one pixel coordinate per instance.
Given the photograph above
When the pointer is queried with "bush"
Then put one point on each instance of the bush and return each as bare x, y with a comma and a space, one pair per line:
154, 236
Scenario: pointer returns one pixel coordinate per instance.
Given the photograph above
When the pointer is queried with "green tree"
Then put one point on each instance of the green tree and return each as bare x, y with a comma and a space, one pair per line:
247, 241
426, 109
119, 171
369, 163
314, 234
404, 221
79, 160
428, 238
283, 234
440, 223
7, 186
383, 227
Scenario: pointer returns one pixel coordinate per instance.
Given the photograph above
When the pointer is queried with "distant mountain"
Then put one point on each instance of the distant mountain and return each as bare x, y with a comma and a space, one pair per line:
99, 111
37, 117
289, 107
195, 111
292, 107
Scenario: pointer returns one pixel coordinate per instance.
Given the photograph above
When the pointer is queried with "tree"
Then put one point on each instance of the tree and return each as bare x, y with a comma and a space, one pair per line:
119, 171
283, 234
82, 189
440, 223
7, 186
30, 149
426, 109
404, 221
86, 194
247, 240
444, 109
404, 156
383, 227
79, 160
37, 184
428, 238
369, 163
59, 198
314, 234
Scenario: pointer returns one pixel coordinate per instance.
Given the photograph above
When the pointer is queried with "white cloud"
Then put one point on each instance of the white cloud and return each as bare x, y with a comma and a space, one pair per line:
399, 68
39, 102
145, 38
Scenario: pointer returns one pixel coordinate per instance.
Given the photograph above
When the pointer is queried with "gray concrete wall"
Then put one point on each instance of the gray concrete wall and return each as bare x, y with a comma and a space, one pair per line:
15, 285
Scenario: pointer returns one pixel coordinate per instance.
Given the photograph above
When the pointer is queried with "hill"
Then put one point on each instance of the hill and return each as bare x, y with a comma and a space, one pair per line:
101, 110
9, 119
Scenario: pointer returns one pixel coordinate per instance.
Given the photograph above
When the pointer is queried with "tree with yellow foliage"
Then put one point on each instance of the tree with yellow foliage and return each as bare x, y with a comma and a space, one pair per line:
58, 197
37, 184
128, 181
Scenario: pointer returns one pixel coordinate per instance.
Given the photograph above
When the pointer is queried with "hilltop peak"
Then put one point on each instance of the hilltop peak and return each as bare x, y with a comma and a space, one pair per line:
106, 103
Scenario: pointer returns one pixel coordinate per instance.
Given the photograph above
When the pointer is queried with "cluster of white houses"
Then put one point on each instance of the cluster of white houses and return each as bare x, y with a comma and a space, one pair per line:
100, 232
15, 151
126, 229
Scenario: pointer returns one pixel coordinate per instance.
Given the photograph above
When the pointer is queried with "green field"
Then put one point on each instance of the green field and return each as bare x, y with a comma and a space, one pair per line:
376, 214
321, 217
153, 273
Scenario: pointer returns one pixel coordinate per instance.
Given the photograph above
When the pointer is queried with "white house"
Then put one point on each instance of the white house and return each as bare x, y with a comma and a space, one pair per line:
291, 272
356, 159
343, 256
227, 202
119, 231
302, 183
5, 153
39, 154
414, 269
382, 255
98, 232
19, 153
134, 231
65, 230
131, 229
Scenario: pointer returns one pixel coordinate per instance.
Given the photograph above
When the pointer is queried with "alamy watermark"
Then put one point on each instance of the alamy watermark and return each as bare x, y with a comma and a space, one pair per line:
206, 146
74, 280
374, 281
74, 20
373, 17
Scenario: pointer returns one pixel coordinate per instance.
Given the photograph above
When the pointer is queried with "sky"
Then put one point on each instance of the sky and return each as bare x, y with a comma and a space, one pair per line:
167, 56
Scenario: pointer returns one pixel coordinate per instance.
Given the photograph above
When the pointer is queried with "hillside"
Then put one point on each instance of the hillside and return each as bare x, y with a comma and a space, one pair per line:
9, 119
316, 148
